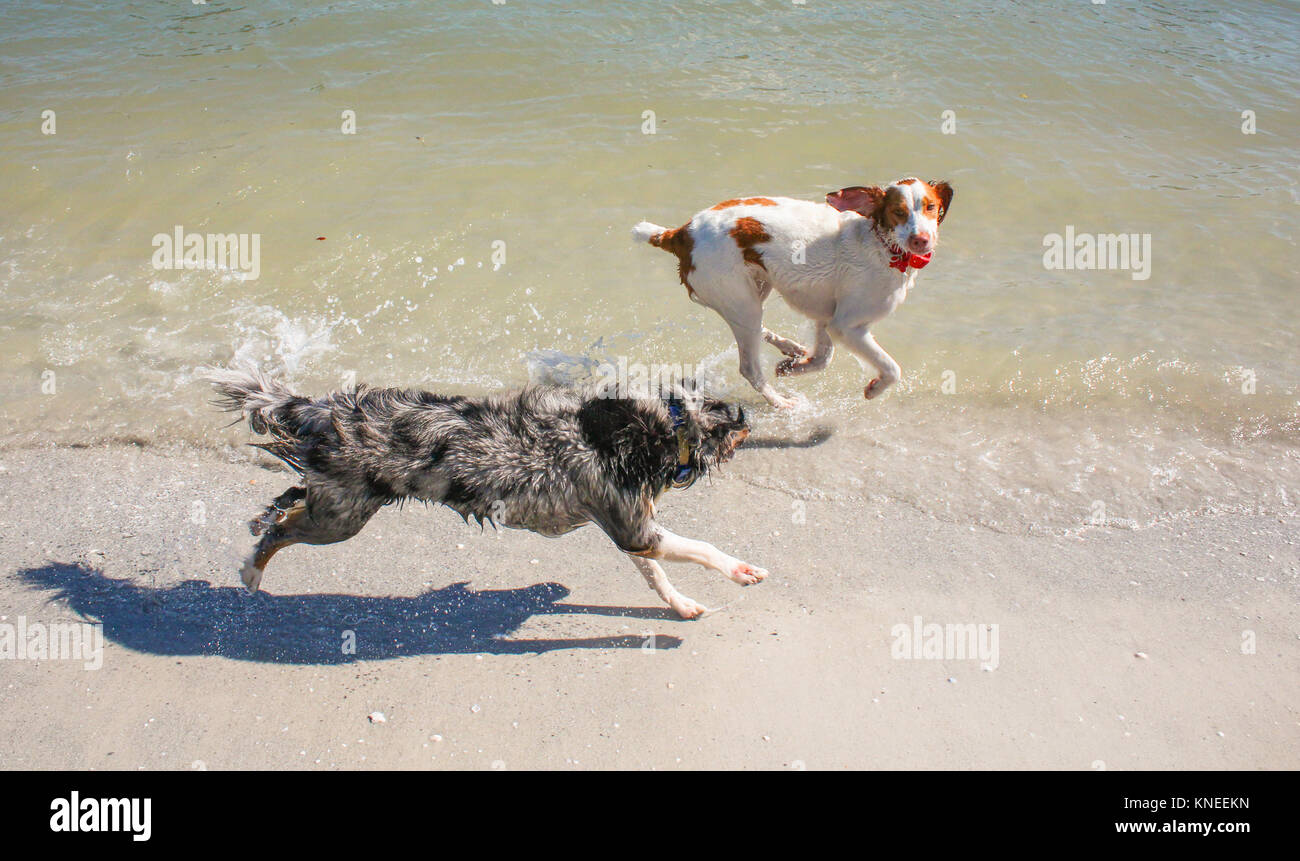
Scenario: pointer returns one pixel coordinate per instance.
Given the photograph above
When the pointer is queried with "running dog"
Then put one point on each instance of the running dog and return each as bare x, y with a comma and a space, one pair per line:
545, 459
844, 264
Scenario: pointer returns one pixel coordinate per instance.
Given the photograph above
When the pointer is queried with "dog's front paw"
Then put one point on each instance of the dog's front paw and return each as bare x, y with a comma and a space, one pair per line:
874, 389
687, 608
746, 574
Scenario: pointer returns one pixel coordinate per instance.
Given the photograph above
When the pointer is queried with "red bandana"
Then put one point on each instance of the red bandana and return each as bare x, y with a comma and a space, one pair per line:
901, 259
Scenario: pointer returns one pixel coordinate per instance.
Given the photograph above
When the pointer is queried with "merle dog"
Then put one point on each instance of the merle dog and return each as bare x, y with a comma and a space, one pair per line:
546, 459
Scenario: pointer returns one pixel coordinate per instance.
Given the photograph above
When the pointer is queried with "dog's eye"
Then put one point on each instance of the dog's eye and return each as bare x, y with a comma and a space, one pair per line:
930, 207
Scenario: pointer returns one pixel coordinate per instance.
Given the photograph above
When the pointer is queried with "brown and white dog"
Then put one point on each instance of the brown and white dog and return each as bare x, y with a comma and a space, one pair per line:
844, 264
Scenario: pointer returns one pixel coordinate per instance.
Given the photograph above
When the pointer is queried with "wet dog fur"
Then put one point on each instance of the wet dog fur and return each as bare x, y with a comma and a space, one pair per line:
546, 459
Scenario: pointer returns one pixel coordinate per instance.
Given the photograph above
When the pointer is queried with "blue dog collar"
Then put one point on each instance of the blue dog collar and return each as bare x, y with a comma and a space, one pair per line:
683, 473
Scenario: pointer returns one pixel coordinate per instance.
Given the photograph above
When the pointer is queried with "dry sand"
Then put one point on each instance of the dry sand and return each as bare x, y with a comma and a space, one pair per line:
1118, 649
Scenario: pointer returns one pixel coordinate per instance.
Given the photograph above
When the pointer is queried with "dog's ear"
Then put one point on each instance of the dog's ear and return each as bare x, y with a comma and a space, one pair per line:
944, 190
862, 199
737, 430
720, 433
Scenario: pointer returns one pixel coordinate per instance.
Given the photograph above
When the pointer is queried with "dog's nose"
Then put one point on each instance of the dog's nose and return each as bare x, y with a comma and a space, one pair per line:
920, 243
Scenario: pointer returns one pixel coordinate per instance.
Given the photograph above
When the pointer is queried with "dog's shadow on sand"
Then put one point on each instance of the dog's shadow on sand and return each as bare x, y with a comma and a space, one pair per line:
196, 618
816, 437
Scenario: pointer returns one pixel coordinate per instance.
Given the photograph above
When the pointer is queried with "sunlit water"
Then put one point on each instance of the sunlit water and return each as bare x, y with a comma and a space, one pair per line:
1031, 398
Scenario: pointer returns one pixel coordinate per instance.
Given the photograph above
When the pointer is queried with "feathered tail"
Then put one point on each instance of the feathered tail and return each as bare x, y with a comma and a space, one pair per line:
646, 232
678, 241
270, 408
252, 393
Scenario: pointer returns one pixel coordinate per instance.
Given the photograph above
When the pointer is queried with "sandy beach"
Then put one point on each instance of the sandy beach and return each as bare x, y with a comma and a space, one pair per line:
1171, 647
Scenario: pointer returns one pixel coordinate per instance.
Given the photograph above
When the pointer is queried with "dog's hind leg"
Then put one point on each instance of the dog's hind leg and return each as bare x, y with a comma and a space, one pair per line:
276, 511
654, 574
315, 516
276, 536
785, 345
820, 358
255, 566
273, 525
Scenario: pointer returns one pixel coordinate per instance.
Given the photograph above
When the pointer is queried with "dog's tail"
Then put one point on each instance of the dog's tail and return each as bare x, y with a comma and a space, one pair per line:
270, 408
676, 240
261, 400
647, 232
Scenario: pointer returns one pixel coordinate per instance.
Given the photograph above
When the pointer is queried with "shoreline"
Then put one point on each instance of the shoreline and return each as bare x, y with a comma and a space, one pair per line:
517, 651
1019, 474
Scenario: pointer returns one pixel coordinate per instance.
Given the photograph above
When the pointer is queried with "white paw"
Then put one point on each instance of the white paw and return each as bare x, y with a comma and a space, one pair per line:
686, 607
252, 577
781, 402
746, 574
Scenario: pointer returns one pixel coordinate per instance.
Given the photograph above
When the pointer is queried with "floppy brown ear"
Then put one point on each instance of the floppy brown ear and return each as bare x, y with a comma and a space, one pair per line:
864, 200
944, 190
